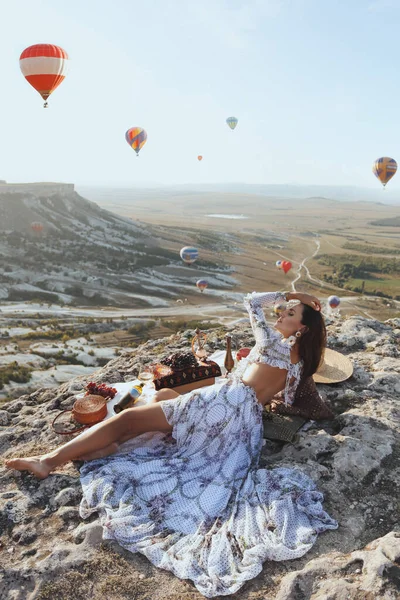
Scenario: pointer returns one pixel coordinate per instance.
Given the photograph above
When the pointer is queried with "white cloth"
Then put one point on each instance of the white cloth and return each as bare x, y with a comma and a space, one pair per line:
122, 388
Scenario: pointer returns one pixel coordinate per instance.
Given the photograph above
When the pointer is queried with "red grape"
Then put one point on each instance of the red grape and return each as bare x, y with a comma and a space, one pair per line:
101, 389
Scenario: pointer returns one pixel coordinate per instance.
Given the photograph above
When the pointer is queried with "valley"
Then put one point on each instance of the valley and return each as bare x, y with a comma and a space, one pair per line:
94, 283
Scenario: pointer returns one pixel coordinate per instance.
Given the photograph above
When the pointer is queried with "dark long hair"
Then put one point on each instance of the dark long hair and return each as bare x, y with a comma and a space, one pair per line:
313, 341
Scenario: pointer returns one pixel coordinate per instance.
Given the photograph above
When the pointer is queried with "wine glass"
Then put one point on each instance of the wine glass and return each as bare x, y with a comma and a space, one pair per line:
198, 344
146, 376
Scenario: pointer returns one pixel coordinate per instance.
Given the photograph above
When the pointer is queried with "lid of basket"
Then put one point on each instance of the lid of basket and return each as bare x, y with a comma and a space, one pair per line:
89, 404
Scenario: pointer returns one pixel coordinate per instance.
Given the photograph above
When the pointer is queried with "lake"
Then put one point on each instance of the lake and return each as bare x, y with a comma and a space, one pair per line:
220, 216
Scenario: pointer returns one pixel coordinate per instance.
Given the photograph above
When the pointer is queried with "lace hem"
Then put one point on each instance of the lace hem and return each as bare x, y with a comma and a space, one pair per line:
274, 362
280, 363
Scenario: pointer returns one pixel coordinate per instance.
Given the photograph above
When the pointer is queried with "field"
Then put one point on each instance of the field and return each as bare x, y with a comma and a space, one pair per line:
333, 246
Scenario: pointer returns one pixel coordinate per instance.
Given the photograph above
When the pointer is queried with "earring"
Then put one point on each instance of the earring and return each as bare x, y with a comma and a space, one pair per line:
292, 339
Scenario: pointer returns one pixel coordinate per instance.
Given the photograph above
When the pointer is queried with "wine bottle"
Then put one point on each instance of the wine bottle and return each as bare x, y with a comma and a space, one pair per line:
229, 362
129, 399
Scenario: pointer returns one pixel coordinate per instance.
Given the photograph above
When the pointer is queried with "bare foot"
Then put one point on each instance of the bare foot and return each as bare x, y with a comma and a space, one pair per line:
33, 464
111, 449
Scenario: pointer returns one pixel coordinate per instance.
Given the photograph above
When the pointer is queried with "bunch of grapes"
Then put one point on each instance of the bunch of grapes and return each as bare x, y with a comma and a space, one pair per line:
180, 361
100, 389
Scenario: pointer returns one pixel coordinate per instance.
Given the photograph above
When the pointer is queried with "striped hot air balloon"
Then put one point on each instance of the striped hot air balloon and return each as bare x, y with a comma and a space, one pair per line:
232, 122
136, 138
189, 254
384, 168
44, 66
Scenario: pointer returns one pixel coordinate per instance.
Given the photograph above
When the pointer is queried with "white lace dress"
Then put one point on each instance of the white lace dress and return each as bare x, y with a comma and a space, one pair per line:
195, 502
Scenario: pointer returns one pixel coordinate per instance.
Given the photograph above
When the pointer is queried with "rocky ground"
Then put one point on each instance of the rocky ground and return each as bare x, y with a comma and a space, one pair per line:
47, 552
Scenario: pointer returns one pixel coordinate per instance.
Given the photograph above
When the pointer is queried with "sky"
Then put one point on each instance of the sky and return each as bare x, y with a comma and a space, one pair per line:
314, 84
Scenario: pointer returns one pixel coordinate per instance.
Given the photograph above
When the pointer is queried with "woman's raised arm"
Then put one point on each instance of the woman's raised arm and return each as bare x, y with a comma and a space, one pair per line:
304, 299
254, 304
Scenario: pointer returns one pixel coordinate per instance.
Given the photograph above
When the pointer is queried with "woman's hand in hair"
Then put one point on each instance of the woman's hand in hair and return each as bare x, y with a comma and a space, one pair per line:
305, 299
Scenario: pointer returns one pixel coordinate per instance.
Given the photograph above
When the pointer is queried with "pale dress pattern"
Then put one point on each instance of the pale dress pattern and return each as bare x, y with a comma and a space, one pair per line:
195, 502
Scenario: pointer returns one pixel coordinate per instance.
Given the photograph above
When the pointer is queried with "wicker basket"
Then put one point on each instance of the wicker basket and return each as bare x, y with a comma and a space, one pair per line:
90, 409
85, 412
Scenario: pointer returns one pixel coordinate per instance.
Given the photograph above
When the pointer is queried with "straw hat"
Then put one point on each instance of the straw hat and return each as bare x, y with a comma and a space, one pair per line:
334, 368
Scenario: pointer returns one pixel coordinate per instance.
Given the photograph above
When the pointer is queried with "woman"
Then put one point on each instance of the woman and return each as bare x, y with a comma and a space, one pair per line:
196, 502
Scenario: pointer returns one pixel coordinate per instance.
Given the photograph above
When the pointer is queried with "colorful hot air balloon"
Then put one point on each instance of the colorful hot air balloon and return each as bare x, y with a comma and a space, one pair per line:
384, 168
37, 227
199, 157
333, 301
189, 254
278, 264
286, 266
202, 284
44, 66
136, 138
232, 122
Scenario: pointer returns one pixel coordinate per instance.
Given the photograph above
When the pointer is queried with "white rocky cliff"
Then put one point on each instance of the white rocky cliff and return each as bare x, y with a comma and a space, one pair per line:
58, 247
46, 551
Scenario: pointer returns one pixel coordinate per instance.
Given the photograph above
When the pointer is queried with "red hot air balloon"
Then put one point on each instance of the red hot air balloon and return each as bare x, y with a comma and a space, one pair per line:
199, 157
37, 227
286, 266
44, 66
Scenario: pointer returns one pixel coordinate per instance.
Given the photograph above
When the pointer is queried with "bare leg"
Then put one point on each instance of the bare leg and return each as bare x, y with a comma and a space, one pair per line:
103, 452
164, 394
121, 427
